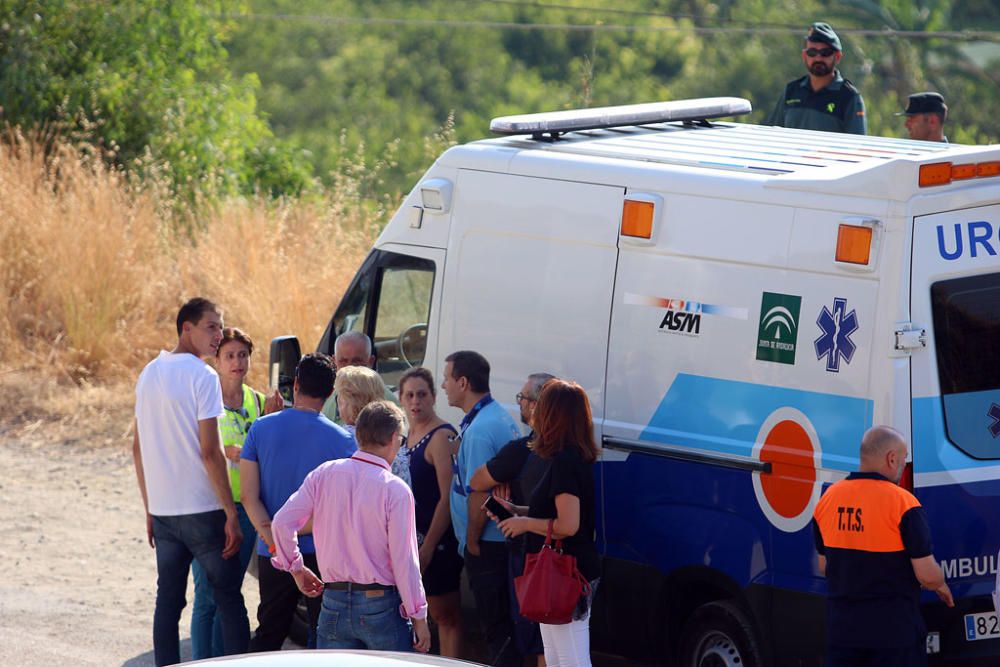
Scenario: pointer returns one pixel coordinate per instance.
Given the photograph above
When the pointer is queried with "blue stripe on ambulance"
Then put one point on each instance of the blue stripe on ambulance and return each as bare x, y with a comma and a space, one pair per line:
672, 514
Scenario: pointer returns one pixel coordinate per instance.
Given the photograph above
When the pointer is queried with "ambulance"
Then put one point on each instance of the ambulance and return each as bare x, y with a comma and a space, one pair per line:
740, 303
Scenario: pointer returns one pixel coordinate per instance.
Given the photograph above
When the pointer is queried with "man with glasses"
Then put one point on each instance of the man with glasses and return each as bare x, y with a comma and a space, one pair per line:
823, 99
516, 470
279, 451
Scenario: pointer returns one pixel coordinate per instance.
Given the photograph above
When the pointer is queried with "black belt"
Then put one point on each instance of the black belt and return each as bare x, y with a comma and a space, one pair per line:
350, 586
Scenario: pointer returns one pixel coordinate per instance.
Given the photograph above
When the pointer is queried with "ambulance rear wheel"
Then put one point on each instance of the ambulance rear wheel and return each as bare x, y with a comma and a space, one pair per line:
719, 634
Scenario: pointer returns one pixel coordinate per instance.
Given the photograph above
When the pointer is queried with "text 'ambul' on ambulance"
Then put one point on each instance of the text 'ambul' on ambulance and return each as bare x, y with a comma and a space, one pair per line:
741, 303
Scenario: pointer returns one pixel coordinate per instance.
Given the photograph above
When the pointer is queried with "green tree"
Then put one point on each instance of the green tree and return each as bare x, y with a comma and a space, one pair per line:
149, 82
348, 79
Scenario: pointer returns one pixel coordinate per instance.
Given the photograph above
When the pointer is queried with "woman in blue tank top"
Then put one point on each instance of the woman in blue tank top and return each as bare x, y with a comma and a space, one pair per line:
430, 454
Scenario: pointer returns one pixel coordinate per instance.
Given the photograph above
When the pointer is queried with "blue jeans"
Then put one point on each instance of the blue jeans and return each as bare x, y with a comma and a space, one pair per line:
179, 540
363, 620
206, 625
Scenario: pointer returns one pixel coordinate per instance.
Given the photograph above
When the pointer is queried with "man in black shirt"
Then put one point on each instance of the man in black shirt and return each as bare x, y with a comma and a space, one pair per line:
519, 468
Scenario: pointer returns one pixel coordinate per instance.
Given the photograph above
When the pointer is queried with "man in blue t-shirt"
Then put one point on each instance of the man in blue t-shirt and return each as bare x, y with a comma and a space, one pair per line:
485, 429
279, 451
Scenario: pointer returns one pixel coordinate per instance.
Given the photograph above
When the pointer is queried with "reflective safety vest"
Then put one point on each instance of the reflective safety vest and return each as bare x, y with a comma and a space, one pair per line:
234, 426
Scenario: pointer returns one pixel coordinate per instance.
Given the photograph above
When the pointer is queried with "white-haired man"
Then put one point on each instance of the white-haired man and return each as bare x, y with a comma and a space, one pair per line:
352, 348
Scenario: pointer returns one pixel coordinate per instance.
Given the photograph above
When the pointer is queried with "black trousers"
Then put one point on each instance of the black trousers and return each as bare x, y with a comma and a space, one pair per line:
278, 598
488, 581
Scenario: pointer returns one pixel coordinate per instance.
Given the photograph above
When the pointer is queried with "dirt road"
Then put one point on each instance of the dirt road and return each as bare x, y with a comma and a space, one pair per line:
78, 578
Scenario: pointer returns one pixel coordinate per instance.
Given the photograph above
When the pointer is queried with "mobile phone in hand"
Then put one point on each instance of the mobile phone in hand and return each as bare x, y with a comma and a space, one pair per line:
497, 508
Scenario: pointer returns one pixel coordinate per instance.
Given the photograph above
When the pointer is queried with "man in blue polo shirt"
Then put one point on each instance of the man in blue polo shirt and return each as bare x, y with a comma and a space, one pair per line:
875, 549
279, 451
484, 431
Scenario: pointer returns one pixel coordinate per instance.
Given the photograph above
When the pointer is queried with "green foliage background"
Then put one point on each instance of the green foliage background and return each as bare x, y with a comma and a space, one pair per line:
269, 95
336, 75
148, 81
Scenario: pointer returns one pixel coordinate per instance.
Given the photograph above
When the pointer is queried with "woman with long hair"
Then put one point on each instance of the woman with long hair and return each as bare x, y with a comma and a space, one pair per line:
243, 405
564, 436
429, 449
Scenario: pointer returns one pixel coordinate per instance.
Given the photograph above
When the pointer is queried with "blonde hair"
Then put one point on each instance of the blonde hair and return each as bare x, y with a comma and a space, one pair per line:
356, 387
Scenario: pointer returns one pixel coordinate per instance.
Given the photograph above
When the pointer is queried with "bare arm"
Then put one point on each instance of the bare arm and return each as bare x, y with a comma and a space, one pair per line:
931, 577
482, 480
477, 520
273, 403
566, 523
141, 475
250, 497
215, 465
821, 565
439, 453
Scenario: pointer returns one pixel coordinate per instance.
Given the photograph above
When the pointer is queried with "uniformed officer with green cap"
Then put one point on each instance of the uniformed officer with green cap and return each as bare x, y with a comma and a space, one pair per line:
823, 99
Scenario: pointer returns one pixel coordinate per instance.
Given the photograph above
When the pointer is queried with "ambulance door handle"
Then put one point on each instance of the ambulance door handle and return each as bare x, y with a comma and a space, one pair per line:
666, 451
909, 337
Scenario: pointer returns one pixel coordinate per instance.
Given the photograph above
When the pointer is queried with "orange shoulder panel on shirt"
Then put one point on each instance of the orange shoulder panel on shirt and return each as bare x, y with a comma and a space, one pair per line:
863, 515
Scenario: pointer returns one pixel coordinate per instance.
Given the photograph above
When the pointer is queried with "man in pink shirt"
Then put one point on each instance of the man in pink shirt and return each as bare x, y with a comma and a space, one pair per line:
366, 543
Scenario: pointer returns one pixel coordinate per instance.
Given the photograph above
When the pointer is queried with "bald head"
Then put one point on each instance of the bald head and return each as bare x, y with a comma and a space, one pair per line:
883, 450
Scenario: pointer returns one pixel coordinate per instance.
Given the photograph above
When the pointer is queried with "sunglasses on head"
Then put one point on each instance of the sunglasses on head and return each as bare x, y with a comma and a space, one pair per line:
825, 52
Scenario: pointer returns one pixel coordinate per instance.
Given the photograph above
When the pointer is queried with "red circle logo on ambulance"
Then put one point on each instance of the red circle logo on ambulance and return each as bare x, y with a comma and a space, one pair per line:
788, 494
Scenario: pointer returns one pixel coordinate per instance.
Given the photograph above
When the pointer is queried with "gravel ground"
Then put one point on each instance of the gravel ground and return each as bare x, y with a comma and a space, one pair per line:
79, 580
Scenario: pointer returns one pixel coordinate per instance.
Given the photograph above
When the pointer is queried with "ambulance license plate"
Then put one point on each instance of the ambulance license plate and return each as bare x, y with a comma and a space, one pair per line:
981, 626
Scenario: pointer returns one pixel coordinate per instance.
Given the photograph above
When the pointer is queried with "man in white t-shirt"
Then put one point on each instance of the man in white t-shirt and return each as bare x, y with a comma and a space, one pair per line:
190, 513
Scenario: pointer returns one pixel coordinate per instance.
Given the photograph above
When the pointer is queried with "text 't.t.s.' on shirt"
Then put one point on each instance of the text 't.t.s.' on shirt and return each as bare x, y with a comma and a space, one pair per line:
174, 393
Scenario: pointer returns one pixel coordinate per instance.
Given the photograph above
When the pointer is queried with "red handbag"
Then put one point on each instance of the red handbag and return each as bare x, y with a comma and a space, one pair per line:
551, 585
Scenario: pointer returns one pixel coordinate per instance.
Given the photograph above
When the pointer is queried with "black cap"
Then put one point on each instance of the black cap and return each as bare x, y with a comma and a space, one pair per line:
925, 103
822, 32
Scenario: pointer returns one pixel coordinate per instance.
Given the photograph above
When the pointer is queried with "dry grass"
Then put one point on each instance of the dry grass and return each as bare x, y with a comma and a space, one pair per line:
93, 269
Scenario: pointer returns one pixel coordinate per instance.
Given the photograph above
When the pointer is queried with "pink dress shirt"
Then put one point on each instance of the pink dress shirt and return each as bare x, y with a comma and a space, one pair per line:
363, 528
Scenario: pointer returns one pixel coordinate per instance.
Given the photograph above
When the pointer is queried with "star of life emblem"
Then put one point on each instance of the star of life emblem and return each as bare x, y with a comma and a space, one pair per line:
835, 342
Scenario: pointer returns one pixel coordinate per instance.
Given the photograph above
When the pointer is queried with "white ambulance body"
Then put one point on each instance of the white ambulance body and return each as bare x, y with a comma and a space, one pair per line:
741, 303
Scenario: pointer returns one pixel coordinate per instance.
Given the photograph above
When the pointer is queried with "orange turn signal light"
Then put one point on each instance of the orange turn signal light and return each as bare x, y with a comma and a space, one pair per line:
942, 173
937, 173
988, 169
637, 219
854, 244
960, 172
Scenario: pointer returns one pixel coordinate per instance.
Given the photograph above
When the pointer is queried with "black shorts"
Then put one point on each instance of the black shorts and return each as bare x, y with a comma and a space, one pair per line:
444, 572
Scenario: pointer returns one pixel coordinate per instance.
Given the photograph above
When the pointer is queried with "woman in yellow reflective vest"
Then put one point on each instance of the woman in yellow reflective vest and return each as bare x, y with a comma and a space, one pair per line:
243, 406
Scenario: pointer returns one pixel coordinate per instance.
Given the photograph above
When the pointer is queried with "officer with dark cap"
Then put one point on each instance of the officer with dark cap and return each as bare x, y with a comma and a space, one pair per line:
925, 115
823, 99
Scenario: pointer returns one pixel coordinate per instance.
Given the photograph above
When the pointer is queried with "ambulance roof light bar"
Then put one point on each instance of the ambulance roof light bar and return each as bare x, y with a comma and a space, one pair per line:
555, 123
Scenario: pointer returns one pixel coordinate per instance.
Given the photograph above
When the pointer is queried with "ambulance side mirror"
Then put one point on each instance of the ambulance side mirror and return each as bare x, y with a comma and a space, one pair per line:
284, 358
